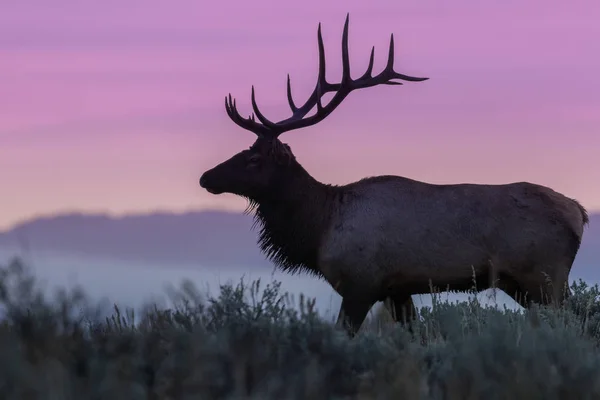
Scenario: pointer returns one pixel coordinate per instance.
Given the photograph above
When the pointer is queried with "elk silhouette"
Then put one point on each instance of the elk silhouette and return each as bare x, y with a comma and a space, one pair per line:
385, 238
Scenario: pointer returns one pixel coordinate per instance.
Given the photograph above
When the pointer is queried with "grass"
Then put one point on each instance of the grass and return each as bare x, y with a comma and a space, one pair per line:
251, 343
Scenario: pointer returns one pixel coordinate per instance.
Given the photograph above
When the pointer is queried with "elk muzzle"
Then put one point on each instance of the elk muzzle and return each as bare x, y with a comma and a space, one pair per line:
205, 183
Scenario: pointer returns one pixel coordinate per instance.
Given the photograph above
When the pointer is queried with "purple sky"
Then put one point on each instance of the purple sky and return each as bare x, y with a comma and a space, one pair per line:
118, 105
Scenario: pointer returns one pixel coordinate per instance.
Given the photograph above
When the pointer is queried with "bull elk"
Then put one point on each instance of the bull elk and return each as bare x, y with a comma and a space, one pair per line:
385, 238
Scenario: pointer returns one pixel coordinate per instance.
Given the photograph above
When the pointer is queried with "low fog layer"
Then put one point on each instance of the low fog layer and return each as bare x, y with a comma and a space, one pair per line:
133, 285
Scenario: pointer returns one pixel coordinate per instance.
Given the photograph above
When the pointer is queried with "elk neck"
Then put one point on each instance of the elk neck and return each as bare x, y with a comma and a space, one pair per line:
294, 219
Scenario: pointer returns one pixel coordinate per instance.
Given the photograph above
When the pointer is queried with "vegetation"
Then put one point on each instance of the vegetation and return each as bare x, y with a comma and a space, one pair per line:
250, 342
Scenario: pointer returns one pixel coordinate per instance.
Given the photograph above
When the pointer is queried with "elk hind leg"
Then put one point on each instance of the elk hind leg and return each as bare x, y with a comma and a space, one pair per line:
543, 289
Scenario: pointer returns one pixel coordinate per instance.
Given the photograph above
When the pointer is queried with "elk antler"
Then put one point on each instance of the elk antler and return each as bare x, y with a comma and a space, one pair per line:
271, 129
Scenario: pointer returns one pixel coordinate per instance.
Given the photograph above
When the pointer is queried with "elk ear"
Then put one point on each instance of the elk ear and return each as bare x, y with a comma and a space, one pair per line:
283, 154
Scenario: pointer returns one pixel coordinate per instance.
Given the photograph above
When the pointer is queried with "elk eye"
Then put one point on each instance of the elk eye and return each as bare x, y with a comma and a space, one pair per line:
254, 161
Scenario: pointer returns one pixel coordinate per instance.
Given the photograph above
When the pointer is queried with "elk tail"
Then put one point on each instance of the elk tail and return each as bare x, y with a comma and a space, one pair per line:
584, 214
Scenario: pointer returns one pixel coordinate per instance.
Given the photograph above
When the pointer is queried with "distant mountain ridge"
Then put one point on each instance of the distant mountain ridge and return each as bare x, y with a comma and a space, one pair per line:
204, 238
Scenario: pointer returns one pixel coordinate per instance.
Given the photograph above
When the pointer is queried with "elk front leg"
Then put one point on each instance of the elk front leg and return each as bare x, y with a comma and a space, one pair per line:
352, 314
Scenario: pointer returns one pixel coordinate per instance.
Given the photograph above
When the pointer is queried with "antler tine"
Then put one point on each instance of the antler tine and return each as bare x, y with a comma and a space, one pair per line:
260, 115
390, 61
369, 70
346, 79
388, 71
246, 123
289, 95
321, 87
321, 79
384, 77
390, 66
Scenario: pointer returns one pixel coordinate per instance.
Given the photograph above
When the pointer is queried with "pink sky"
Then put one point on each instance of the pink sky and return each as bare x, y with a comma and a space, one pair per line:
118, 105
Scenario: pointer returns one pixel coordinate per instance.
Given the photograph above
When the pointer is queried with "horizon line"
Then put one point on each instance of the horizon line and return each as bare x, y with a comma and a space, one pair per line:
115, 215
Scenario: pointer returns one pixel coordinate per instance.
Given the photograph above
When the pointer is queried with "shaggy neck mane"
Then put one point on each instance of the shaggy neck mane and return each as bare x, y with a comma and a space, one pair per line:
294, 219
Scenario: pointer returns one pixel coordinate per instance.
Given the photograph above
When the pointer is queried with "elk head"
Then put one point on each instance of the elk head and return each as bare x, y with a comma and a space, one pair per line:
269, 164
